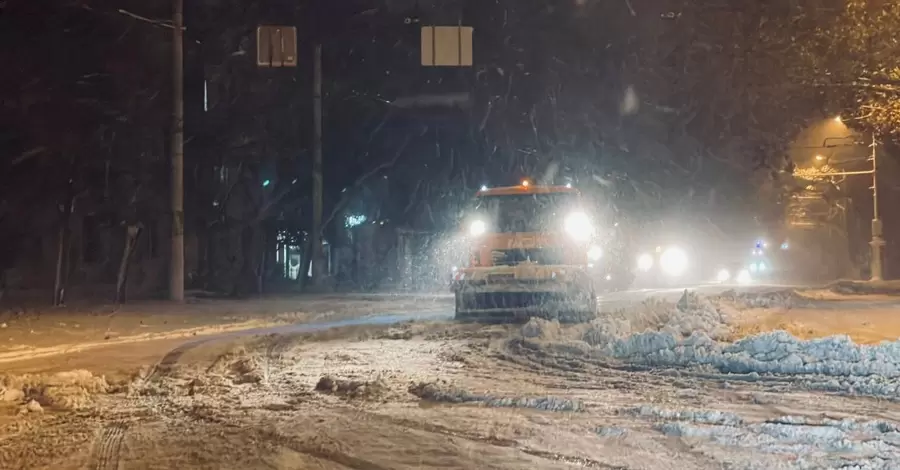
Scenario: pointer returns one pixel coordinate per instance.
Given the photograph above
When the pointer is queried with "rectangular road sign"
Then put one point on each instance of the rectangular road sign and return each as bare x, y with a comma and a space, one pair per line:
276, 46
447, 46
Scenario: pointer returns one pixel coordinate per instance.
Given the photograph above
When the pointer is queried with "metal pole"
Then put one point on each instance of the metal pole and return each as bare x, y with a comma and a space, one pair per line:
877, 266
176, 265
317, 189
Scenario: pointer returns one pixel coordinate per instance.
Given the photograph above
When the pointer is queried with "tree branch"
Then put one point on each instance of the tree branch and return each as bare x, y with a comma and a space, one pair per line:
345, 199
28, 155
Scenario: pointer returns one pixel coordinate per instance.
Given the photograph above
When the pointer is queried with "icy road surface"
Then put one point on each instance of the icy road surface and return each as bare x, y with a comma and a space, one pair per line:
639, 388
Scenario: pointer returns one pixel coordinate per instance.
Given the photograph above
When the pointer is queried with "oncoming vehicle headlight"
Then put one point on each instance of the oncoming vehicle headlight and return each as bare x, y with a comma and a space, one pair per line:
743, 277
673, 261
578, 225
645, 262
595, 253
758, 267
723, 275
477, 228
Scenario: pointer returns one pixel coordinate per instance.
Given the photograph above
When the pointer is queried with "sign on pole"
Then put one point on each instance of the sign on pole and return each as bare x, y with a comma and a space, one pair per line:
447, 46
276, 46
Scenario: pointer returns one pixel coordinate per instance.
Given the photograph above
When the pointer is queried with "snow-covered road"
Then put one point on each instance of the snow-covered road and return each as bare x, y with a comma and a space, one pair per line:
639, 388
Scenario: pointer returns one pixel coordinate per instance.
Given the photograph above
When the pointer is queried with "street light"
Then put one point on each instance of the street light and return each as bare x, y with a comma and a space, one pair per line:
877, 242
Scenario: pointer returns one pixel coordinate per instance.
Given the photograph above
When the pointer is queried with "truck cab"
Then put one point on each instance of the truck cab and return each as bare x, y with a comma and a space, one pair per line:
531, 250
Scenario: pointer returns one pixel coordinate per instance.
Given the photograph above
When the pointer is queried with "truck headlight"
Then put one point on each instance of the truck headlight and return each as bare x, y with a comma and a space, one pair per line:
645, 262
595, 253
477, 228
723, 275
578, 225
673, 261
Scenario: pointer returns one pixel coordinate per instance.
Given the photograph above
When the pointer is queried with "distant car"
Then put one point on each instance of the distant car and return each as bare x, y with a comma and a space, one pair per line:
734, 272
663, 265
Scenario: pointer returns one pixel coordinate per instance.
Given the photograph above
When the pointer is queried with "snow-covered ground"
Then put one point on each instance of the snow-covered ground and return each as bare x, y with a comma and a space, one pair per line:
28, 333
649, 387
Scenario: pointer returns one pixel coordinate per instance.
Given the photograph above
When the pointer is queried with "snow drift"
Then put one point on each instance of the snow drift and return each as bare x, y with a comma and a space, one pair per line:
841, 364
695, 314
784, 442
70, 390
694, 333
449, 394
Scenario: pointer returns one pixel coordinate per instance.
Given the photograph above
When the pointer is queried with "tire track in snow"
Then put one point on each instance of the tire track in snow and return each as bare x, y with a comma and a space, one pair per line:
279, 345
471, 436
165, 365
106, 453
285, 335
339, 458
275, 352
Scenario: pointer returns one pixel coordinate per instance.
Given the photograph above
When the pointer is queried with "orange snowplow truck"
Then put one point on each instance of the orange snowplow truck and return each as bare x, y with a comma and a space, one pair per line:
530, 253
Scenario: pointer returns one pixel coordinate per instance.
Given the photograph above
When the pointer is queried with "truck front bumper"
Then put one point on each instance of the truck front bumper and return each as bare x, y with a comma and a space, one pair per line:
524, 291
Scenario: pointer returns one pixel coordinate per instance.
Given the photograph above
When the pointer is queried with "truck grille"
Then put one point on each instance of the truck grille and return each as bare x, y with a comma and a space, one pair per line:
512, 300
516, 256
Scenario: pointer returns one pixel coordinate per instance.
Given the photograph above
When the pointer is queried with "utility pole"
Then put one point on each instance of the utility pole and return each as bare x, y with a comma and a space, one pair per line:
317, 186
176, 265
877, 262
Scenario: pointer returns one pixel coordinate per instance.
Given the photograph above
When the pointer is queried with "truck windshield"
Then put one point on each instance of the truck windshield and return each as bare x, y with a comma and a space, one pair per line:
527, 212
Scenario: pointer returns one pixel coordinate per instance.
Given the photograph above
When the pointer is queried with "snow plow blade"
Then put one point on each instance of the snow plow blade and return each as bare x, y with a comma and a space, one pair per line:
502, 297
519, 306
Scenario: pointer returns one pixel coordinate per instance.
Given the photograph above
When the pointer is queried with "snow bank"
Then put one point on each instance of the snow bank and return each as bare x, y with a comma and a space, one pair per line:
539, 328
71, 390
840, 364
11, 395
240, 365
693, 334
695, 314
705, 417
611, 431
869, 370
449, 394
850, 287
351, 388
814, 446
785, 298
784, 442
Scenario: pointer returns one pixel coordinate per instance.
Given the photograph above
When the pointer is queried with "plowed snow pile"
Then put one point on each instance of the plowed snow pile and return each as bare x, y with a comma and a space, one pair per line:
773, 299
351, 388
695, 314
448, 394
694, 333
792, 442
71, 390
